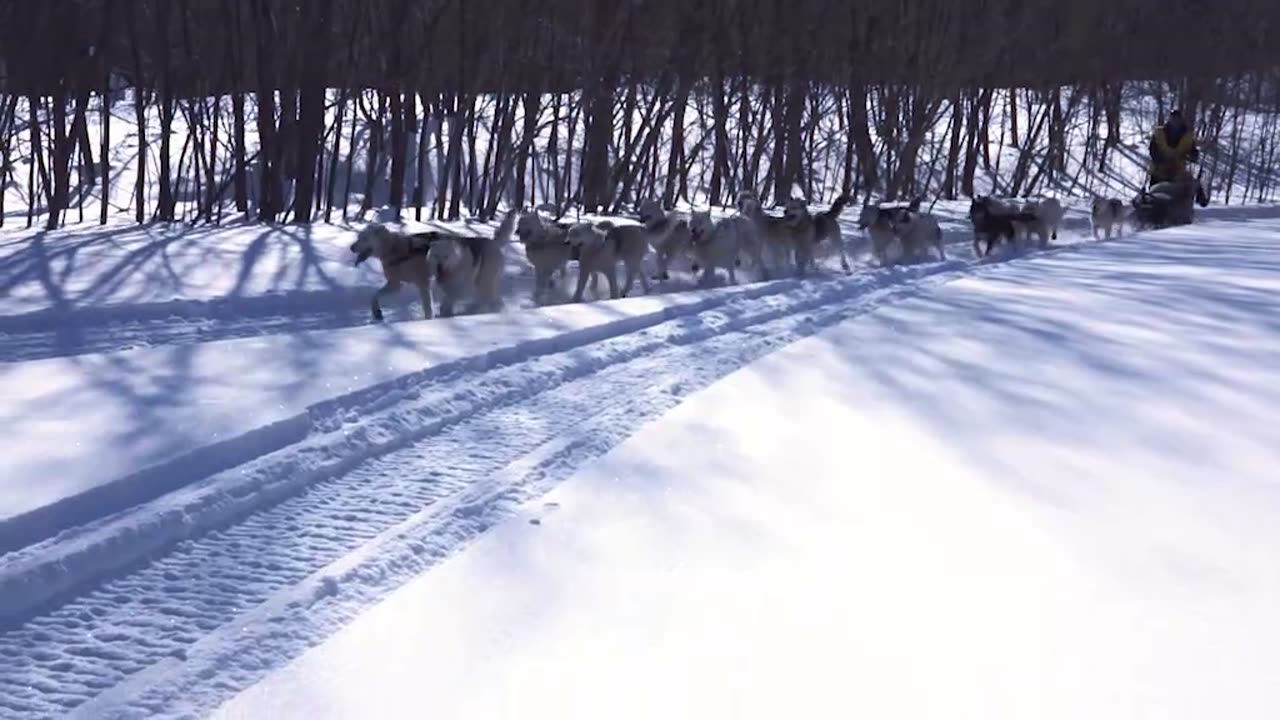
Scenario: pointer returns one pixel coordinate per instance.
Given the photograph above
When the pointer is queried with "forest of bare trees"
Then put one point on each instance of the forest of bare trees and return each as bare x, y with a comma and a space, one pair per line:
302, 111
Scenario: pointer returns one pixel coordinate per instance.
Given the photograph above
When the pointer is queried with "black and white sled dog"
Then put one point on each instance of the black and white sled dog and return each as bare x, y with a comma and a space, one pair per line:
403, 258
792, 238
826, 229
879, 223
915, 231
996, 221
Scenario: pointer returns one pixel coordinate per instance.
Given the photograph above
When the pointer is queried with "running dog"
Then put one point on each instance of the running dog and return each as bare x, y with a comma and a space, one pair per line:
716, 244
880, 224
918, 231
667, 234
601, 247
826, 227
403, 258
1049, 213
596, 254
995, 221
470, 267
777, 235
546, 246
1107, 215
631, 245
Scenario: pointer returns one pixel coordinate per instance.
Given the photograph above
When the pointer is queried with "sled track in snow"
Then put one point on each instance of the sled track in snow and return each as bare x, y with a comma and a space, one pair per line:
103, 329
275, 554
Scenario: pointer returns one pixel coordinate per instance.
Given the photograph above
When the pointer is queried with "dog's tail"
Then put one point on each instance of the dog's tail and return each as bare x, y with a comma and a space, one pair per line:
837, 207
507, 227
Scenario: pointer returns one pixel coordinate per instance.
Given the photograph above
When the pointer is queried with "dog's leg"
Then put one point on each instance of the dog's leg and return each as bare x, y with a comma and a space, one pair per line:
664, 262
539, 280
611, 275
803, 257
639, 272
631, 271
424, 293
375, 307
583, 275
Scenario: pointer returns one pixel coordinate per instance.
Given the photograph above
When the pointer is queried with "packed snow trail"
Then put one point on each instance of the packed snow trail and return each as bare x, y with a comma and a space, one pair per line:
436, 441
55, 332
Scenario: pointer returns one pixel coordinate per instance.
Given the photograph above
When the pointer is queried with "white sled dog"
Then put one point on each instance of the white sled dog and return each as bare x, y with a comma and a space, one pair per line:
776, 235
1108, 215
601, 247
546, 246
470, 267
918, 231
717, 244
667, 233
1049, 213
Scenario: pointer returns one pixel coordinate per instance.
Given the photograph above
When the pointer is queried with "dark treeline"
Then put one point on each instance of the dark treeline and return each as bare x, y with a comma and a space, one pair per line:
287, 110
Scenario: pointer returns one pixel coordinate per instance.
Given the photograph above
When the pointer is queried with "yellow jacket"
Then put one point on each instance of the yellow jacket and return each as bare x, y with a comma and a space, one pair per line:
1169, 162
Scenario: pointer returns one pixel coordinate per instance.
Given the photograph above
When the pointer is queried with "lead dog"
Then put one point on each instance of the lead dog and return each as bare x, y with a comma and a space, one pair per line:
403, 258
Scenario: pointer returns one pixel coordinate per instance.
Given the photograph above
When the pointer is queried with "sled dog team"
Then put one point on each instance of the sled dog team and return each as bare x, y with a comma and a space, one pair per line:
466, 268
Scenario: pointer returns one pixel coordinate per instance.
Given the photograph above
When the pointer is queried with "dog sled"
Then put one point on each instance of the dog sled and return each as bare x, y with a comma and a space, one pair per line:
1169, 203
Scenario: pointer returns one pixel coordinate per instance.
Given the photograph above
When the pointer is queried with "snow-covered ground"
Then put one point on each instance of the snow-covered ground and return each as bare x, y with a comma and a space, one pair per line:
1041, 490
212, 462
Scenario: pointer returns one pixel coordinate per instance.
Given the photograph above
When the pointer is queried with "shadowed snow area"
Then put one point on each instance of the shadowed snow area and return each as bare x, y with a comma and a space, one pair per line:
1046, 490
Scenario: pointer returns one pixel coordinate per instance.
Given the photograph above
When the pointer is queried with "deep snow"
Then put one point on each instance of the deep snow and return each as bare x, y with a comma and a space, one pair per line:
1045, 490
